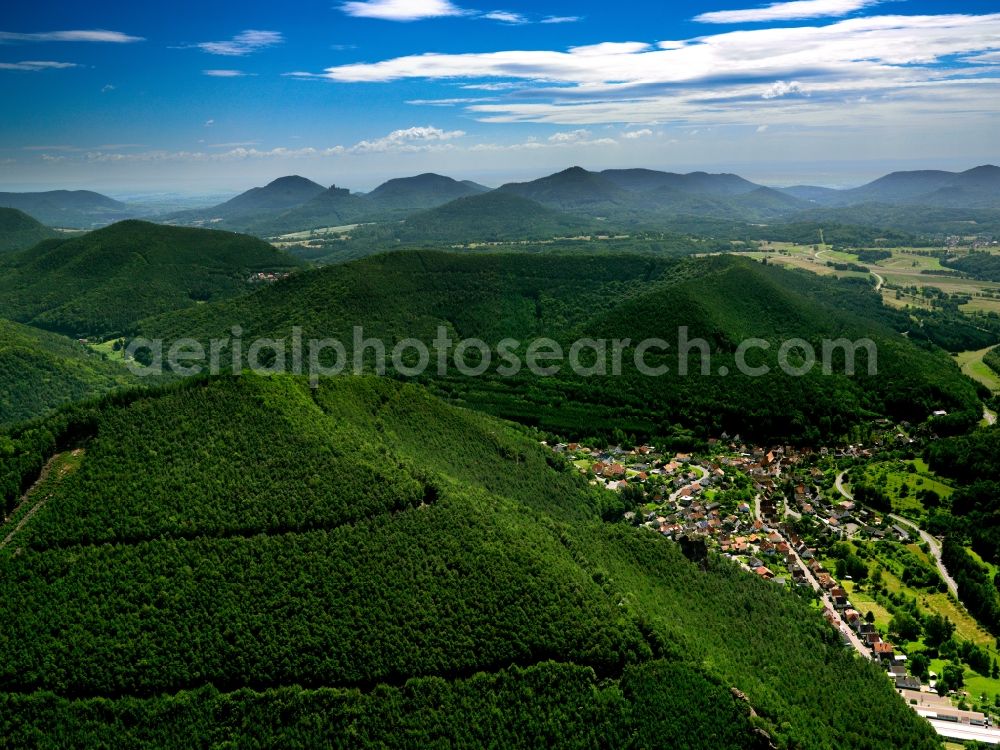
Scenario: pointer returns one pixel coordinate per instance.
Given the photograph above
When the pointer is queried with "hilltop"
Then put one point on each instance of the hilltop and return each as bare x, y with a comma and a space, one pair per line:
421, 192
18, 231
431, 576
565, 297
283, 193
571, 189
640, 180
488, 217
102, 283
40, 371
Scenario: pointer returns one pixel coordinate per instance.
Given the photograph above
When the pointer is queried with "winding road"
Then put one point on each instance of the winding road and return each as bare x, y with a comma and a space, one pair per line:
933, 544
879, 279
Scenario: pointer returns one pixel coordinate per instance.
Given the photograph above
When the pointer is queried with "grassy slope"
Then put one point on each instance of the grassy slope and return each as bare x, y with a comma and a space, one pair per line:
105, 281
414, 546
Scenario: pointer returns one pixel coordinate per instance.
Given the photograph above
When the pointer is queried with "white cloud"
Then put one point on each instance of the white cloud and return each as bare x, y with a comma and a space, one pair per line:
572, 136
95, 35
446, 102
791, 11
36, 65
779, 89
898, 62
506, 86
561, 19
244, 43
108, 87
217, 73
402, 10
410, 139
636, 134
505, 17
209, 123
761, 128
572, 140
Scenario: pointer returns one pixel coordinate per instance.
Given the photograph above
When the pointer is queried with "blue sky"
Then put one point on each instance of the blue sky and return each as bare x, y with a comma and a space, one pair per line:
221, 96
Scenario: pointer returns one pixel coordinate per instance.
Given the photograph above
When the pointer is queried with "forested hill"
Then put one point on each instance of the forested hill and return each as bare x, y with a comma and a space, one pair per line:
40, 371
100, 284
722, 300
18, 231
489, 217
248, 561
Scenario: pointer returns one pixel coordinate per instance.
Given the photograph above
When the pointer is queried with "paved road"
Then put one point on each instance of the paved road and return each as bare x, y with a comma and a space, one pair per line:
932, 543
840, 486
842, 626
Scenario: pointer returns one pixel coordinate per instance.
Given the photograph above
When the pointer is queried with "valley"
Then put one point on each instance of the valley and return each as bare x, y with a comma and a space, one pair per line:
791, 542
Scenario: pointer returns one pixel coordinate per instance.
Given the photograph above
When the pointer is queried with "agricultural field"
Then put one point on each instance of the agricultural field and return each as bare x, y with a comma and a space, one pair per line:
907, 484
972, 365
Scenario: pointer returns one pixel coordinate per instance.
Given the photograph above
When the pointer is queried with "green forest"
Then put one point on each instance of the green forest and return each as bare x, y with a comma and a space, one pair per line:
101, 284
40, 371
430, 577
18, 231
722, 300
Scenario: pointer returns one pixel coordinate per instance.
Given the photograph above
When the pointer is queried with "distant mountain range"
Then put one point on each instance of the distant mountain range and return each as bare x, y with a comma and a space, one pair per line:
975, 188
292, 204
642, 198
76, 209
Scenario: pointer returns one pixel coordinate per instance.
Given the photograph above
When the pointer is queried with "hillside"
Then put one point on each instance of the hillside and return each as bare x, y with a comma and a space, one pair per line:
100, 284
432, 577
571, 189
77, 209
333, 207
489, 217
644, 180
40, 371
283, 193
409, 194
277, 196
564, 297
18, 231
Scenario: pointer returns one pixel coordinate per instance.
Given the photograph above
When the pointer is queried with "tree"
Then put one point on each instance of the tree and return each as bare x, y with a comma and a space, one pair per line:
952, 678
919, 666
938, 630
852, 567
906, 626
870, 617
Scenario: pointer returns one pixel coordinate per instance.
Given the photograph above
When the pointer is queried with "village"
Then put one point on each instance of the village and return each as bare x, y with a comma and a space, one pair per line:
750, 504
